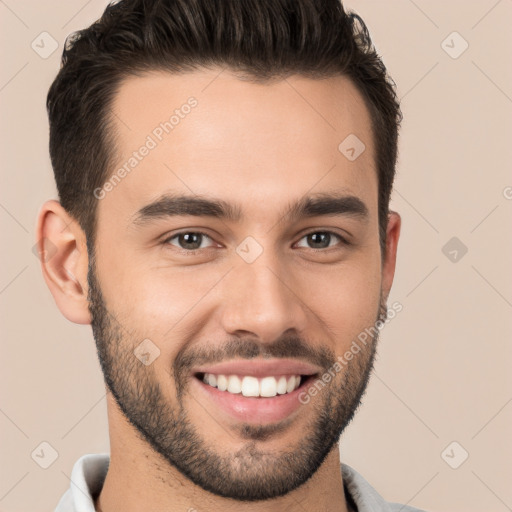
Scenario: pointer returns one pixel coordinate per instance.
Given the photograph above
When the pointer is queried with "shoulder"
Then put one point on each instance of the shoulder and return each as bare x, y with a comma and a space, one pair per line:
365, 497
398, 507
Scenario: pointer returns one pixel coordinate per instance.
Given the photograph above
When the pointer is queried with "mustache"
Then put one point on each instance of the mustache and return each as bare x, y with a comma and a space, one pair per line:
292, 347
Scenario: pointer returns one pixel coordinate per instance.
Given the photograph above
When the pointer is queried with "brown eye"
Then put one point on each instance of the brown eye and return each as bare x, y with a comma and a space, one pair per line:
189, 240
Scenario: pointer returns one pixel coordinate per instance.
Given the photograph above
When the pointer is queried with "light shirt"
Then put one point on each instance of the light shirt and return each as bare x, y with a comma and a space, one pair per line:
90, 470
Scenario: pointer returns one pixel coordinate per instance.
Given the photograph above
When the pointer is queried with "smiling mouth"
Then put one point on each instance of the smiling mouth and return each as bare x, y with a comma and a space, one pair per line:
256, 387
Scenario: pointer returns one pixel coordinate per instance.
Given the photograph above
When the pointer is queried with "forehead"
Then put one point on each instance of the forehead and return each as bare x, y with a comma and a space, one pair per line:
255, 144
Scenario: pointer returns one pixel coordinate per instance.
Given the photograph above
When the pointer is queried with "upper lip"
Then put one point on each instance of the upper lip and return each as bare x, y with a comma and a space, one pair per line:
260, 367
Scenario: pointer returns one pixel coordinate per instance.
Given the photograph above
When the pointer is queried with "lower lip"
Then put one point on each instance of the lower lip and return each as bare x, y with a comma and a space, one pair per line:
252, 409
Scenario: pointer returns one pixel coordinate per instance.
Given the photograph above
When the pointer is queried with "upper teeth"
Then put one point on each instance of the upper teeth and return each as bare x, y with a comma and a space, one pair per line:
252, 386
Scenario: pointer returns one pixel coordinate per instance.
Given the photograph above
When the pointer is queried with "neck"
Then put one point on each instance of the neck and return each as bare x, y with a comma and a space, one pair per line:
138, 478
133, 485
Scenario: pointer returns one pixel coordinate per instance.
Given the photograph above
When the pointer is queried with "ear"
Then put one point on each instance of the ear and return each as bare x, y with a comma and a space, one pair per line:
62, 248
389, 261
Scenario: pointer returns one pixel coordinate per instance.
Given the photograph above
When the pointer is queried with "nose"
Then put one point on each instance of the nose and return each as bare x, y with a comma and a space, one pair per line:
263, 300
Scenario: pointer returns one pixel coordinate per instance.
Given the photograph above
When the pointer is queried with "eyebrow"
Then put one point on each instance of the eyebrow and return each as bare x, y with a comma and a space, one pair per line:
170, 205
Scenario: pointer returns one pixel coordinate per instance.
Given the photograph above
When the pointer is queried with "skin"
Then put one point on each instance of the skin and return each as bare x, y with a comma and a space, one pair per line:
261, 147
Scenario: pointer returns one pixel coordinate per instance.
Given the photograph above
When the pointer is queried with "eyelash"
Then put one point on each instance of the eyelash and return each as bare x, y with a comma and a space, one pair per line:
343, 241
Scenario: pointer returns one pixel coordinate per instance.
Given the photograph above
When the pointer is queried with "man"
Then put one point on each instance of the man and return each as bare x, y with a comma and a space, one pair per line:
224, 171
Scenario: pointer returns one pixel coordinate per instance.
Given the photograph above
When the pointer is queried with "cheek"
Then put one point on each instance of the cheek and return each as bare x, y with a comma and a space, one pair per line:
346, 299
162, 304
150, 297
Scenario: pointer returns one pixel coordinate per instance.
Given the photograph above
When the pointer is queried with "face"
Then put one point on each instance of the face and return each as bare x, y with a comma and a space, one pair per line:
236, 259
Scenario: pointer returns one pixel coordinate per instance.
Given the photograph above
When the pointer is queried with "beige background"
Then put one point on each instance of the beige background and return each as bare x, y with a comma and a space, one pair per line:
443, 374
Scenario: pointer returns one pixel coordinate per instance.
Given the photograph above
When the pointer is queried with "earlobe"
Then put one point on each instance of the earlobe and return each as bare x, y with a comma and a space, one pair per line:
389, 262
62, 251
